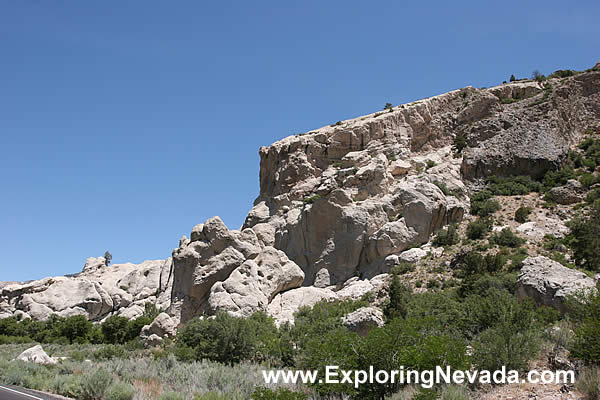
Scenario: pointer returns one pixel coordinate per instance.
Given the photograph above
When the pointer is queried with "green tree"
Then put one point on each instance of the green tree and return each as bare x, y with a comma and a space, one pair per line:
585, 239
115, 330
76, 329
107, 258
399, 296
512, 78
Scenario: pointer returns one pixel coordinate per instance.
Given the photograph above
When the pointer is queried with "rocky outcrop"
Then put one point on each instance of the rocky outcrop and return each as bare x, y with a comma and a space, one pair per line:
531, 135
550, 283
570, 193
96, 293
36, 355
162, 327
253, 285
340, 206
363, 320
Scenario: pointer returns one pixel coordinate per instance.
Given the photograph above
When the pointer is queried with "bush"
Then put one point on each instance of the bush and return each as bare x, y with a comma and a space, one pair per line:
510, 334
558, 178
473, 263
323, 317
66, 385
460, 142
585, 239
212, 396
588, 383
114, 329
512, 186
522, 214
483, 205
454, 392
482, 284
108, 352
120, 391
586, 343
478, 229
407, 343
447, 236
171, 396
263, 393
399, 297
94, 386
225, 339
507, 238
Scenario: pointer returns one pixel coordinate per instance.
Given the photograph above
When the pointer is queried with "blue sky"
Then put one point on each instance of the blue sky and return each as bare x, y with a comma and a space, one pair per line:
125, 123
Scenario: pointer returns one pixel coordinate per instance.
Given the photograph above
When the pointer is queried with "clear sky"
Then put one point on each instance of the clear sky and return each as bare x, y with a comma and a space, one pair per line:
125, 123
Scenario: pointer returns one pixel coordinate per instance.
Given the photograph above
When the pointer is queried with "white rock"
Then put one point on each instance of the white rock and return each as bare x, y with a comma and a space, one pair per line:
36, 355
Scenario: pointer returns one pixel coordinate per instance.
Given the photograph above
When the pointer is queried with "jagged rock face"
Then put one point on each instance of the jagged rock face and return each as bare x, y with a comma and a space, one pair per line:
344, 202
96, 293
550, 283
525, 138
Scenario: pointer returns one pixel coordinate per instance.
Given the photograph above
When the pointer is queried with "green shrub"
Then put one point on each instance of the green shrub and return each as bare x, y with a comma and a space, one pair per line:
447, 236
66, 385
108, 352
311, 199
114, 329
478, 229
323, 317
562, 73
522, 214
483, 205
585, 239
512, 186
588, 383
507, 238
586, 343
558, 178
510, 333
120, 391
473, 263
171, 396
430, 164
225, 338
459, 143
588, 180
454, 392
482, 284
399, 296
402, 342
95, 385
403, 268
212, 396
263, 393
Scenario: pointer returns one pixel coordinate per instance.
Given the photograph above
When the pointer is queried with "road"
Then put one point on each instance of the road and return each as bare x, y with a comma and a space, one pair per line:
16, 393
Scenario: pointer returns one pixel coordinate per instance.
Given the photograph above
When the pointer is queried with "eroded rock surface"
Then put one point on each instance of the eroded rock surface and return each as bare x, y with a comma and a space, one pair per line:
550, 283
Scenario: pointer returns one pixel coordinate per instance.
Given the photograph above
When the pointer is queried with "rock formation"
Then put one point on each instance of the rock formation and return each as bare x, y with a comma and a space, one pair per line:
36, 355
550, 283
97, 292
340, 206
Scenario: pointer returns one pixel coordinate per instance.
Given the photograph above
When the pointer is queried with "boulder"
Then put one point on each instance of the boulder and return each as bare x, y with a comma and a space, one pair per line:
363, 320
570, 193
37, 355
253, 285
93, 263
550, 283
284, 305
412, 255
